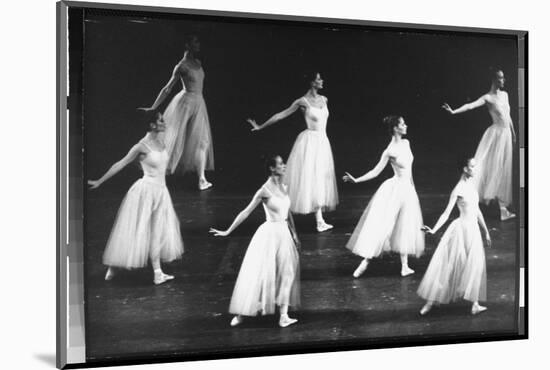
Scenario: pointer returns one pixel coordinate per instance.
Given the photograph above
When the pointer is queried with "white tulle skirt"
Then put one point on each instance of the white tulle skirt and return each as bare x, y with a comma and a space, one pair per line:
392, 221
310, 174
146, 227
494, 164
457, 268
188, 133
269, 274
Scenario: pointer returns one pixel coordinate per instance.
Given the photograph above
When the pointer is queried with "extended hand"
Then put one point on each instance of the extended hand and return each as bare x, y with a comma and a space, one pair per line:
488, 241
447, 107
427, 229
349, 178
93, 184
217, 232
146, 109
255, 126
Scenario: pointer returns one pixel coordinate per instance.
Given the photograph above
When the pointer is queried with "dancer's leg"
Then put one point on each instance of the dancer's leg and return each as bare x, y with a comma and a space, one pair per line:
321, 224
504, 213
405, 269
159, 276
477, 308
426, 308
110, 274
361, 268
284, 320
203, 183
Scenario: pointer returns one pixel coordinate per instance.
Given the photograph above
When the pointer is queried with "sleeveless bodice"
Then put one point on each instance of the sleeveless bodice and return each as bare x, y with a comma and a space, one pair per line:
192, 79
401, 161
499, 109
468, 202
316, 118
154, 165
276, 206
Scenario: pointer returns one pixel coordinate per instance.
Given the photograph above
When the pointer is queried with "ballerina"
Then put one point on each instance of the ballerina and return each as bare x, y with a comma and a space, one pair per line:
146, 226
457, 268
269, 274
392, 219
188, 138
494, 152
310, 174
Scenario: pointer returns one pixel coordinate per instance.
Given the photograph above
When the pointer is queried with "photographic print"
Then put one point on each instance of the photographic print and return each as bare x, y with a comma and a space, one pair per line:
264, 185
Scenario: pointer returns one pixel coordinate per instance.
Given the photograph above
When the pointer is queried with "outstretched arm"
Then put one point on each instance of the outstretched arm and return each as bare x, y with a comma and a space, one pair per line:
167, 89
117, 167
276, 117
445, 215
243, 215
466, 107
481, 222
372, 173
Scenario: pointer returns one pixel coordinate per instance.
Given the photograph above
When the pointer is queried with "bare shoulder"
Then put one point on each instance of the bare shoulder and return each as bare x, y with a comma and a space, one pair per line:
300, 102
182, 66
487, 97
389, 151
263, 192
140, 147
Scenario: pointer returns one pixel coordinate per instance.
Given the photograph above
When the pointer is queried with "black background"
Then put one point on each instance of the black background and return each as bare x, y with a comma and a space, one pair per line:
255, 69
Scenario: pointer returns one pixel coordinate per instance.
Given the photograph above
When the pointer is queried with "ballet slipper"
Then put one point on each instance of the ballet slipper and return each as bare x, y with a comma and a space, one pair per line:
203, 185
237, 320
406, 271
323, 226
110, 274
506, 215
162, 278
360, 269
476, 308
285, 321
426, 308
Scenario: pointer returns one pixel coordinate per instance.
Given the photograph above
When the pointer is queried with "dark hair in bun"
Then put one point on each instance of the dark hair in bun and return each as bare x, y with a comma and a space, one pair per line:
391, 122
270, 161
310, 76
493, 70
463, 161
148, 117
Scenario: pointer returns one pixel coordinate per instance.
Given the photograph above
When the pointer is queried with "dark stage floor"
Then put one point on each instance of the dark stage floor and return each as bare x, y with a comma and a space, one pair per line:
129, 316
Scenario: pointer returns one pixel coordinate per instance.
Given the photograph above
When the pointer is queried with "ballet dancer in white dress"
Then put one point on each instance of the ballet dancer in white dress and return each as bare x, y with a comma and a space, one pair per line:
269, 274
310, 172
457, 268
187, 138
392, 220
146, 227
494, 152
